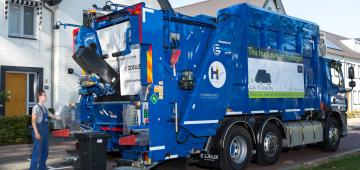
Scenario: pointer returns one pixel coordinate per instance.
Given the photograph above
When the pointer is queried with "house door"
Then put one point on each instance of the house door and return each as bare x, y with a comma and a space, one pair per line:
16, 83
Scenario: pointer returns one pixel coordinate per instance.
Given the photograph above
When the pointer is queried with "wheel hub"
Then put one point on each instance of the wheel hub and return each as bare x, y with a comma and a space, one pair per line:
333, 134
271, 144
238, 149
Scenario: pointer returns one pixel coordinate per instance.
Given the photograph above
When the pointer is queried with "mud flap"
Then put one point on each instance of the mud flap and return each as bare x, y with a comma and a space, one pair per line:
209, 160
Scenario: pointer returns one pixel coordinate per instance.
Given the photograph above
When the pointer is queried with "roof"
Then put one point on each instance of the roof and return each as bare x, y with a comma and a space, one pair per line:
341, 49
211, 7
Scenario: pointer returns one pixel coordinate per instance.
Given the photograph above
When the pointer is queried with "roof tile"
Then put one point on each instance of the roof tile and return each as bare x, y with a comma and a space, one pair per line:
336, 39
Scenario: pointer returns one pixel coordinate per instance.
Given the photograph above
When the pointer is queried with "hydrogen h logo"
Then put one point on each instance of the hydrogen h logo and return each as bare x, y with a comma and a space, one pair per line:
217, 74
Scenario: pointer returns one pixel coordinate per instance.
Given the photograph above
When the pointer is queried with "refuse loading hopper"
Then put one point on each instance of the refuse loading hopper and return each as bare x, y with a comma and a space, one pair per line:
91, 63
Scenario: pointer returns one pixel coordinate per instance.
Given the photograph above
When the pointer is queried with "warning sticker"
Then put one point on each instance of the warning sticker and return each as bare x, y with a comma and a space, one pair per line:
156, 89
154, 98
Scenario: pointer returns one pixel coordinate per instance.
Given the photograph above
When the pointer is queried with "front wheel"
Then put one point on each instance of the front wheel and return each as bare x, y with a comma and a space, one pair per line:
331, 136
237, 150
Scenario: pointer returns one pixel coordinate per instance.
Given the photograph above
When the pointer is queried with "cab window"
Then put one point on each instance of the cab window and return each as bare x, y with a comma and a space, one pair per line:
336, 74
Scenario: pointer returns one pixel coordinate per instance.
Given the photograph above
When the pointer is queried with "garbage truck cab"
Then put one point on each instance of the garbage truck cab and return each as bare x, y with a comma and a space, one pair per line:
219, 90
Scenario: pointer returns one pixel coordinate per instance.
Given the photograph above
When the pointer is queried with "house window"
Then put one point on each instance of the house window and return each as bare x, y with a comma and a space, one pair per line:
356, 97
22, 21
357, 46
32, 88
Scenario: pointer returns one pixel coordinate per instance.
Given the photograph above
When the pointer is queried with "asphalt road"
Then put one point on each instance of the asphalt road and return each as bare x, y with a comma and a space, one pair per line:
17, 156
287, 159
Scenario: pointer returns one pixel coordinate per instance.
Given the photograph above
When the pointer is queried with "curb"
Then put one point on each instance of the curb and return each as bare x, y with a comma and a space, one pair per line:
316, 162
353, 128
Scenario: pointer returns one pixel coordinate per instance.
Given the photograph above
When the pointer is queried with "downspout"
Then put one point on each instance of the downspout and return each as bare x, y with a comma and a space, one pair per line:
52, 84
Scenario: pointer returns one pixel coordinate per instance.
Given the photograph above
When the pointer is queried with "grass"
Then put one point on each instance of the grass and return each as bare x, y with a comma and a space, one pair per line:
351, 162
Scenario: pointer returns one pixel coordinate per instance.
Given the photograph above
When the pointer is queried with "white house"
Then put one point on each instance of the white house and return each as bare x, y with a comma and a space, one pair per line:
34, 56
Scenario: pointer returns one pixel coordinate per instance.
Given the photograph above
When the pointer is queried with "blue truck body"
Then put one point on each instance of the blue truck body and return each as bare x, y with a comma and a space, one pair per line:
197, 77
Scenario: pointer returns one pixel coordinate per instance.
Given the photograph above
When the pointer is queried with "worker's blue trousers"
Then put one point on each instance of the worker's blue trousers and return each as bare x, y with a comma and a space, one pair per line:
41, 147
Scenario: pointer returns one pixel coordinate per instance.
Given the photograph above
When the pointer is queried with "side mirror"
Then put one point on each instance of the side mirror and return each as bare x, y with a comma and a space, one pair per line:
352, 84
351, 73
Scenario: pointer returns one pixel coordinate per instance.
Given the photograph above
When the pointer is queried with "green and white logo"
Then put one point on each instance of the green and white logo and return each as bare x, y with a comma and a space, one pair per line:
275, 74
154, 98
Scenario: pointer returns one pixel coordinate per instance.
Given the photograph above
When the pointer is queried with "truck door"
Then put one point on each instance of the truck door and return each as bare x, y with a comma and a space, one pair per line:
336, 86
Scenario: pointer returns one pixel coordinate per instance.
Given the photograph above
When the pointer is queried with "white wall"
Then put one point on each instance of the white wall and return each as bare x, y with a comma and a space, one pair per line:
352, 44
25, 52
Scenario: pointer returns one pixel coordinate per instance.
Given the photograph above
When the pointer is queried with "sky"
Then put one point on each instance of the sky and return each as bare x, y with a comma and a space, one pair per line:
341, 17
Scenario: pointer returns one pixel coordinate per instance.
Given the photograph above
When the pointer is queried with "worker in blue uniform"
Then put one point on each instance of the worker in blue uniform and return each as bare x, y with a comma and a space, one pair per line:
40, 124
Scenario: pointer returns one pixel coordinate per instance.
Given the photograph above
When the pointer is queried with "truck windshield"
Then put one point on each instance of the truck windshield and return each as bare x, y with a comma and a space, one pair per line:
336, 74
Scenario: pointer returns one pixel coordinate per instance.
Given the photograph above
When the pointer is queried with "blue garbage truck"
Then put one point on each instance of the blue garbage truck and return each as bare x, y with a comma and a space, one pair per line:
221, 90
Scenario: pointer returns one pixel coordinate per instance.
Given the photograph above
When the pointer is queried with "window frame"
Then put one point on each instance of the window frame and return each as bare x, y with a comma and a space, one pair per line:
355, 97
21, 25
357, 46
340, 76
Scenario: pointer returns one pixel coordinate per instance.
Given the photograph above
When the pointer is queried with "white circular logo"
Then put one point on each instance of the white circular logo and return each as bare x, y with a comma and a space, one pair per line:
216, 49
217, 74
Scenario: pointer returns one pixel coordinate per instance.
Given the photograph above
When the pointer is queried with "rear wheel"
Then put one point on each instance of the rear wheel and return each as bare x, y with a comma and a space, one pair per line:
237, 149
270, 147
331, 136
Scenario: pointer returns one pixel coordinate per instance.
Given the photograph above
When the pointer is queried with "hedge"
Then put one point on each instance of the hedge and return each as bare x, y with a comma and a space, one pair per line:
353, 114
14, 130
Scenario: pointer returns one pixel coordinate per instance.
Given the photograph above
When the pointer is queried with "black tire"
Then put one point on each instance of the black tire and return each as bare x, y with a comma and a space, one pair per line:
331, 144
234, 135
268, 155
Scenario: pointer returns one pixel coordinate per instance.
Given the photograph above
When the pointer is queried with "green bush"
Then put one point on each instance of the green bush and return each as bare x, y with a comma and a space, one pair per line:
353, 114
4, 96
14, 130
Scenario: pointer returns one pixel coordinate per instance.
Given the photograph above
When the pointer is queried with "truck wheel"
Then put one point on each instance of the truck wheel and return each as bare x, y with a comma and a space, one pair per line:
237, 149
331, 136
270, 146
